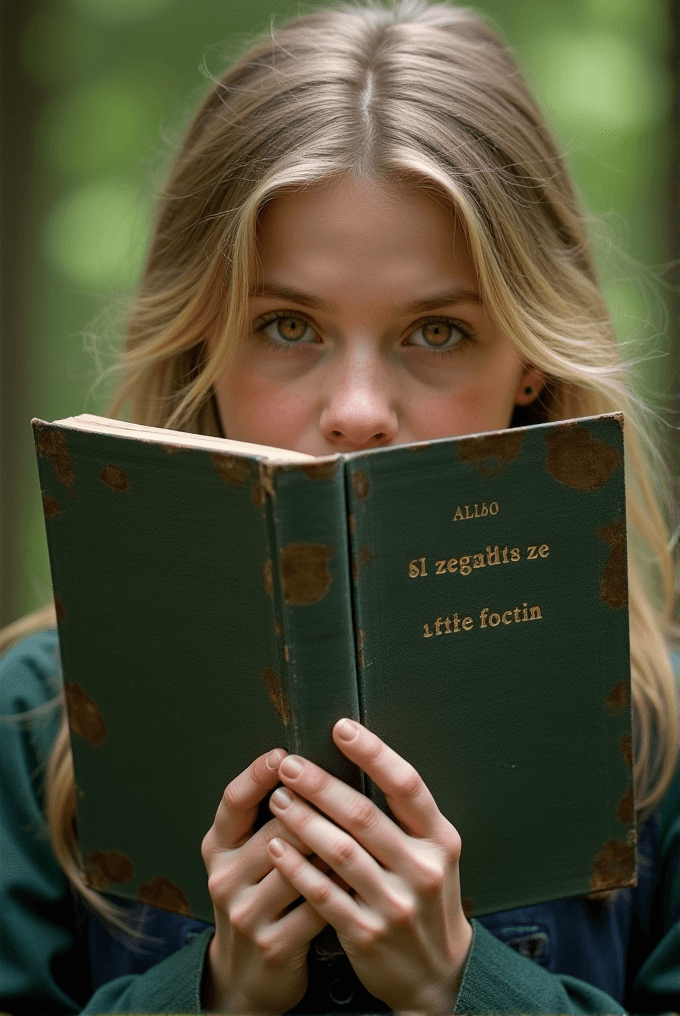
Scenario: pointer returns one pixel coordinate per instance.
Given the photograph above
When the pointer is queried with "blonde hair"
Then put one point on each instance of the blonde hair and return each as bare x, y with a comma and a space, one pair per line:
428, 95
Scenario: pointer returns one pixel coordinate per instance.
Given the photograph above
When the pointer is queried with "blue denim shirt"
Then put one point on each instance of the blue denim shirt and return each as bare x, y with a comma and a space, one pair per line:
601, 942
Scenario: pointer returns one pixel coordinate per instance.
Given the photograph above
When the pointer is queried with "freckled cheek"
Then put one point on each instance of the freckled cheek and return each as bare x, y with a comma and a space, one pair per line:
475, 406
262, 410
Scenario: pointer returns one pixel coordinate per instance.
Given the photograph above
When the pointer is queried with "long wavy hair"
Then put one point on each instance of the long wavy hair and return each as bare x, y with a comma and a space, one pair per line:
427, 94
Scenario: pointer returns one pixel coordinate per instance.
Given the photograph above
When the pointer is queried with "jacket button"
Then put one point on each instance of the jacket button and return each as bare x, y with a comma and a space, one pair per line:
340, 991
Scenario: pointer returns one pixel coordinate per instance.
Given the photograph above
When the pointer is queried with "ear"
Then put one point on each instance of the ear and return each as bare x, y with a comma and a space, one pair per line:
530, 387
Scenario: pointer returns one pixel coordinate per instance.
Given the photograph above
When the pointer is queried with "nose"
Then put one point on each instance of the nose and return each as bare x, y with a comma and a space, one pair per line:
358, 409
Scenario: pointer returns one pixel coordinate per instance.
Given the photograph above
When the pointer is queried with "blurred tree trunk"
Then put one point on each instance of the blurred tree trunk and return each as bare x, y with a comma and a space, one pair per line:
674, 243
20, 107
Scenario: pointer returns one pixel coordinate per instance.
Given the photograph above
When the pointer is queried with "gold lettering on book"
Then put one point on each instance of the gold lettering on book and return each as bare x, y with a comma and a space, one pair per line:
447, 625
467, 563
476, 512
515, 615
487, 619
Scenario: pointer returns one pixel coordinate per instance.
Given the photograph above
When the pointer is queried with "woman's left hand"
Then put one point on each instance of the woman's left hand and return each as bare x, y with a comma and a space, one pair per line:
403, 928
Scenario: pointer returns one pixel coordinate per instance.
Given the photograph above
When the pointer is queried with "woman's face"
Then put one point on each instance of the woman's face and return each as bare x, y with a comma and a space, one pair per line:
367, 328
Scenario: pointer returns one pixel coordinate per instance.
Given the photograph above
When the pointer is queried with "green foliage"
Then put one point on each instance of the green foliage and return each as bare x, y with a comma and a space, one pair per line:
114, 74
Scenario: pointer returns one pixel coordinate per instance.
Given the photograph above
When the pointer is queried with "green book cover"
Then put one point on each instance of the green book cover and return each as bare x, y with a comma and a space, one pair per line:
465, 598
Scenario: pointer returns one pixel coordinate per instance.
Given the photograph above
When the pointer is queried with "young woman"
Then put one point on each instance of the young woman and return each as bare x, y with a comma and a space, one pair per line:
368, 238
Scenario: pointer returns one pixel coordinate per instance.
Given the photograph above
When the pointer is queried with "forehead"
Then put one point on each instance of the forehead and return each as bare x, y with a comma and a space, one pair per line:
390, 229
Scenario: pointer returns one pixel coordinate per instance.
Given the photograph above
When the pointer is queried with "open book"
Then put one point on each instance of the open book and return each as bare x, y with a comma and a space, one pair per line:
464, 598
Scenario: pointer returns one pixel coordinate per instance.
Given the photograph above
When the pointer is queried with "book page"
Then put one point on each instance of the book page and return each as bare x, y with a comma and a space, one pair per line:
104, 425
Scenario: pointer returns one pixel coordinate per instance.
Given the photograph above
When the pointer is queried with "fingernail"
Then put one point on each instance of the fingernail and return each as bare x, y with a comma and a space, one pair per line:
276, 847
292, 766
281, 798
345, 730
274, 758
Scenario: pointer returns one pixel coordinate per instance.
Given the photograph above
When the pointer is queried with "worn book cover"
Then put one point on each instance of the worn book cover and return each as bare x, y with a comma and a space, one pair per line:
465, 598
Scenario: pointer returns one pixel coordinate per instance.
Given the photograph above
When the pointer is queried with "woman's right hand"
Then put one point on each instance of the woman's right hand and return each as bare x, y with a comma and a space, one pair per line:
258, 956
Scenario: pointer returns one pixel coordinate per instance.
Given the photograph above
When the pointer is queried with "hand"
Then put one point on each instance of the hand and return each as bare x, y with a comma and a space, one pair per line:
403, 930
258, 956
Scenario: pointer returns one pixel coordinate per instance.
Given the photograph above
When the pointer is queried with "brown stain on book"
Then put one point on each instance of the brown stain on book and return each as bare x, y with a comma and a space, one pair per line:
115, 478
360, 636
276, 694
490, 454
617, 699
267, 578
626, 748
258, 496
614, 866
614, 579
52, 445
60, 608
361, 485
324, 471
578, 459
232, 469
108, 867
51, 506
84, 717
305, 575
165, 894
625, 812
364, 557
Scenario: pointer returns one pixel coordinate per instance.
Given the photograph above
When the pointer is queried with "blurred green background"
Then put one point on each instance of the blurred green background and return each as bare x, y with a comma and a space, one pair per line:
94, 94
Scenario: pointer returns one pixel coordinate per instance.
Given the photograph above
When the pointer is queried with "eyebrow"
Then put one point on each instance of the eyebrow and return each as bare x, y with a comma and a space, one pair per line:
446, 299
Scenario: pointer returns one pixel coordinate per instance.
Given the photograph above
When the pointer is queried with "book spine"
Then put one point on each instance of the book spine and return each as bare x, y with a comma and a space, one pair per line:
312, 591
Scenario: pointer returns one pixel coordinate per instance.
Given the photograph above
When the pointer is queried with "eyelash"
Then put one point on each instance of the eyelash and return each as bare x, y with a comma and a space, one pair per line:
467, 336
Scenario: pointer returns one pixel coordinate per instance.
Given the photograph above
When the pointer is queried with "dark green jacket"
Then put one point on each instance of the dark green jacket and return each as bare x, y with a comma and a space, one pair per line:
569, 956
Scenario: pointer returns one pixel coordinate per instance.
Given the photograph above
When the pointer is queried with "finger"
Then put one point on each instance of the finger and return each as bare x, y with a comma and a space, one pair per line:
292, 930
237, 810
301, 924
411, 802
252, 862
336, 847
348, 808
248, 907
329, 901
